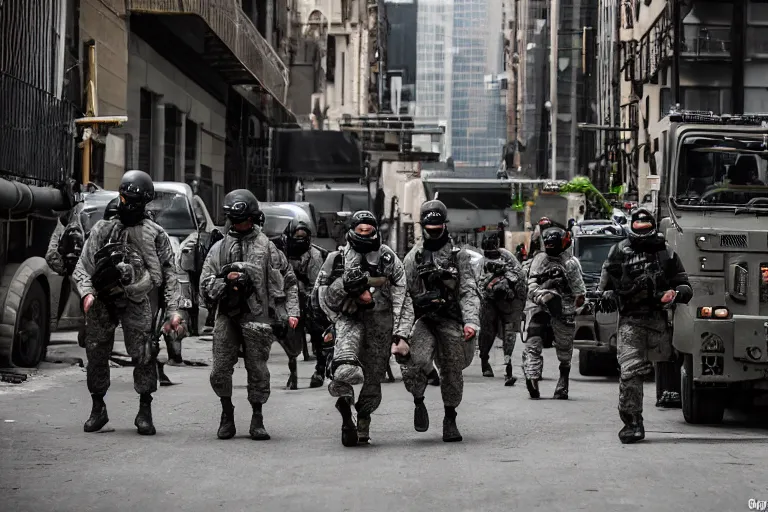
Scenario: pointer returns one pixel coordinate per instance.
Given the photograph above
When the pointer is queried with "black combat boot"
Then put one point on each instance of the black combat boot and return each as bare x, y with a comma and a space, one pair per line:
433, 379
98, 417
533, 388
257, 430
451, 432
633, 430
293, 379
561, 390
420, 415
509, 379
363, 428
227, 428
316, 380
348, 427
486, 366
143, 420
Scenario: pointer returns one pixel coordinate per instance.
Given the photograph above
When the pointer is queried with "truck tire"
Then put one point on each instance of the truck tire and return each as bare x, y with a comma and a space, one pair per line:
701, 406
587, 363
32, 330
610, 365
667, 377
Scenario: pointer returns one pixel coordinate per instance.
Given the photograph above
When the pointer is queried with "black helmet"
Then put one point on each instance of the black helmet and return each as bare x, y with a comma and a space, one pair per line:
136, 190
364, 243
297, 246
112, 209
261, 219
241, 205
433, 213
646, 229
556, 240
490, 246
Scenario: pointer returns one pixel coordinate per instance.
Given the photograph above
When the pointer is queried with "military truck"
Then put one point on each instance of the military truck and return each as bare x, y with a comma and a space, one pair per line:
596, 330
713, 209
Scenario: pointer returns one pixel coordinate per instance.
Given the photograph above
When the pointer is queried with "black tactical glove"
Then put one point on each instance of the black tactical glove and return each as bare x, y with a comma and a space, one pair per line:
553, 302
428, 302
355, 281
501, 289
607, 302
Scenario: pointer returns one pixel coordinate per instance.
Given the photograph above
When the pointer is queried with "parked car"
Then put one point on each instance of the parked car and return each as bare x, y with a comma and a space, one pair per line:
279, 214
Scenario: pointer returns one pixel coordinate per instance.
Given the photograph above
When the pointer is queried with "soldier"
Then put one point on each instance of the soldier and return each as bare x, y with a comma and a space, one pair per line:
648, 279
555, 289
504, 289
367, 307
306, 260
124, 260
446, 303
242, 274
64, 250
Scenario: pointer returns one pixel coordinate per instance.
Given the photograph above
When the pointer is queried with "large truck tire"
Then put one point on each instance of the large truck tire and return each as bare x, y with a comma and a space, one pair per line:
25, 322
587, 363
701, 406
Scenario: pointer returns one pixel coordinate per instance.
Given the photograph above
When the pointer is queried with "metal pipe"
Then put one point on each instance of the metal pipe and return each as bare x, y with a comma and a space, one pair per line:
553, 15
20, 197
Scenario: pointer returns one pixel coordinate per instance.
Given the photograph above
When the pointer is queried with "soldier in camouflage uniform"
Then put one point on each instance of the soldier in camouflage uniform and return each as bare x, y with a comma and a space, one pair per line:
646, 277
123, 261
446, 303
555, 289
504, 291
242, 274
367, 306
306, 260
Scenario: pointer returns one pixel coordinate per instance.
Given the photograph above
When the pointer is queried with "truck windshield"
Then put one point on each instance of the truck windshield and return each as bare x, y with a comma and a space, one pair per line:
592, 253
719, 171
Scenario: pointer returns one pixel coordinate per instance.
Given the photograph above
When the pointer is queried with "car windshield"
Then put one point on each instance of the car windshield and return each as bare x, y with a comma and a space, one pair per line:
722, 172
172, 211
277, 220
592, 253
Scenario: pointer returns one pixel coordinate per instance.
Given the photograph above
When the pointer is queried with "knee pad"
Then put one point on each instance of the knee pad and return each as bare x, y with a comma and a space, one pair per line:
347, 369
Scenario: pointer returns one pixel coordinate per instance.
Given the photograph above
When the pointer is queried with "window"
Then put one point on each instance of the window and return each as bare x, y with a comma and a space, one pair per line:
757, 12
707, 99
171, 138
756, 100
145, 131
190, 150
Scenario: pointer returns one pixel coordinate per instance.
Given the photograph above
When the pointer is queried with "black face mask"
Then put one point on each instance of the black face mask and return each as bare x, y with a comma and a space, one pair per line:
492, 254
431, 233
435, 244
364, 244
131, 215
553, 251
296, 247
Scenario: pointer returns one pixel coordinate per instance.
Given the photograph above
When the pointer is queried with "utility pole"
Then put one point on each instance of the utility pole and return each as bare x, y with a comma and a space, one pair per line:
553, 17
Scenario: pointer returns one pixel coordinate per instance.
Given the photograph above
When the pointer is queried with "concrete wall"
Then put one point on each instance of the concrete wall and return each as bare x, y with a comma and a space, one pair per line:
104, 22
148, 70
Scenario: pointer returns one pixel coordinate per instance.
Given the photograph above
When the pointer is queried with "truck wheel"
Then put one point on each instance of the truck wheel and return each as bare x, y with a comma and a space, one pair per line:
587, 366
32, 329
700, 405
609, 364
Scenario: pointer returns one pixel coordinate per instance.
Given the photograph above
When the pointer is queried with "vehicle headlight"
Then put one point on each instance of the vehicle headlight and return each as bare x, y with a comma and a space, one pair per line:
717, 312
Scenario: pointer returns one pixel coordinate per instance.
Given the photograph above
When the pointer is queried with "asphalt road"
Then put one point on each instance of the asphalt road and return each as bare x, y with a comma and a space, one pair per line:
517, 454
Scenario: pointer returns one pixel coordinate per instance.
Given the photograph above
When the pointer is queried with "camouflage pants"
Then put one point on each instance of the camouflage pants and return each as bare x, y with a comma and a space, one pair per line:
136, 320
639, 343
442, 340
365, 340
229, 334
533, 361
499, 317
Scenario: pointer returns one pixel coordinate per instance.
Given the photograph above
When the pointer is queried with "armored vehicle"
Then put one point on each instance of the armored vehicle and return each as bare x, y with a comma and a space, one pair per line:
713, 209
595, 331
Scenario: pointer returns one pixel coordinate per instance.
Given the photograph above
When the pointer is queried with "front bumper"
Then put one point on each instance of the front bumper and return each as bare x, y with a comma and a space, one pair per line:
732, 350
595, 332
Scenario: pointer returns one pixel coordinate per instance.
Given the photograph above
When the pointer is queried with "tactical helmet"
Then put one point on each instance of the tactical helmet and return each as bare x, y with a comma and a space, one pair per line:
490, 246
297, 246
642, 225
261, 219
433, 213
241, 205
136, 190
112, 209
364, 243
556, 240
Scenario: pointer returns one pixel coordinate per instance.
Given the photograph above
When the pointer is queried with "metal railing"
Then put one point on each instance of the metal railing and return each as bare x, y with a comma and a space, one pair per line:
706, 40
230, 24
37, 133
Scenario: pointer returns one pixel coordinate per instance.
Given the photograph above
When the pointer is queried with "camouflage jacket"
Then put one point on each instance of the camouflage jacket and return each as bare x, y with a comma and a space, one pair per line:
389, 295
150, 254
464, 304
513, 273
569, 290
273, 280
306, 269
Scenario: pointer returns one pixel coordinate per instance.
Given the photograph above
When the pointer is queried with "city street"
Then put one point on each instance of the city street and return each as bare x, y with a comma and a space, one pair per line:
517, 454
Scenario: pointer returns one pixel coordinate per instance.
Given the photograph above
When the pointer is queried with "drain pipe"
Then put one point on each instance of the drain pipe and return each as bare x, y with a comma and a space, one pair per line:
20, 197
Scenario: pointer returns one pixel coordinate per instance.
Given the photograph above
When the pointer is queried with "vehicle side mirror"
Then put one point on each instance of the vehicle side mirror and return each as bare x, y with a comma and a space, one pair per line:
342, 217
